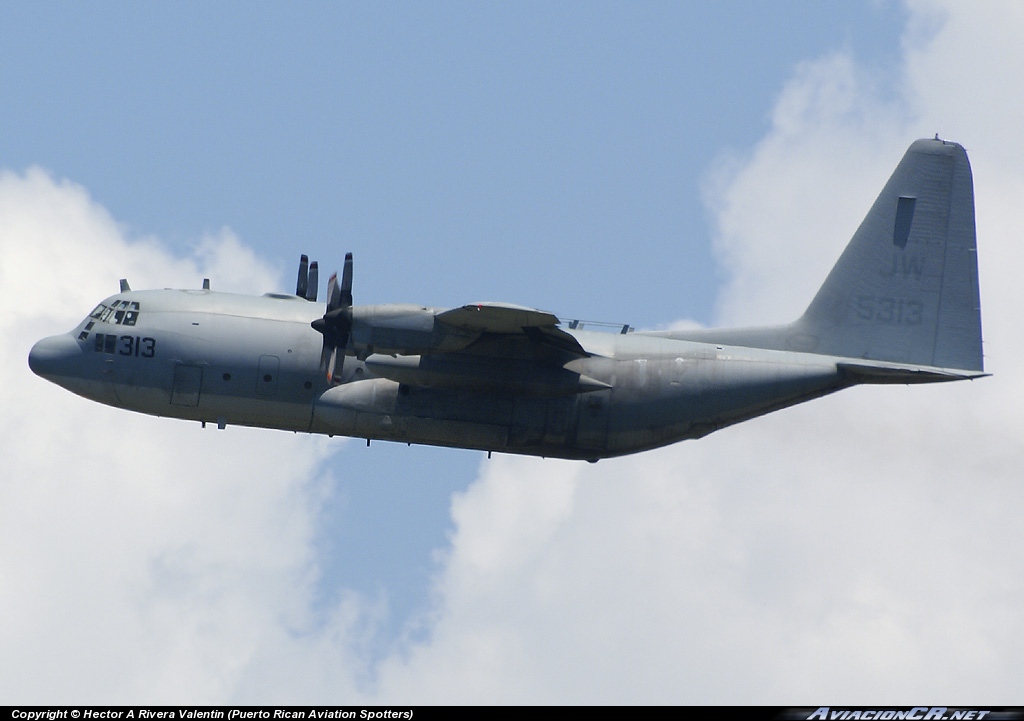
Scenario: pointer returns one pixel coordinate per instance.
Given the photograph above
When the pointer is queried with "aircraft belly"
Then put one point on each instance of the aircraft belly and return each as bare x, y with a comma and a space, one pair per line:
734, 391
385, 410
657, 403
652, 403
382, 409
540, 422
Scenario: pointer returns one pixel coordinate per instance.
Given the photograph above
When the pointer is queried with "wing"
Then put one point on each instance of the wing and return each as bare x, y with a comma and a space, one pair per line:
507, 349
517, 323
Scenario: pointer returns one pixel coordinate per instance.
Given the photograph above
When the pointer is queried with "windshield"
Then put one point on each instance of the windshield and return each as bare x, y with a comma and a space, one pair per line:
119, 312
113, 312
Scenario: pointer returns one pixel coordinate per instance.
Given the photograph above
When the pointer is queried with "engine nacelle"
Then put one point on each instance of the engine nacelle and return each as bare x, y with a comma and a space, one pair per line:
400, 329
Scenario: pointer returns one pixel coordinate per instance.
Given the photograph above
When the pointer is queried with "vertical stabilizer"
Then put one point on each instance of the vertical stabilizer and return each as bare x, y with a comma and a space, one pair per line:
905, 289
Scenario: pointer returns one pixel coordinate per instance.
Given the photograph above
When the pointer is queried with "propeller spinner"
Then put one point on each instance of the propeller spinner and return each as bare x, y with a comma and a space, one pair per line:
336, 325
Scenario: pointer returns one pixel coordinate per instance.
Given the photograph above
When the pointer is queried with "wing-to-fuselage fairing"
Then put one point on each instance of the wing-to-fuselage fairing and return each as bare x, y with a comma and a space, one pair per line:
900, 306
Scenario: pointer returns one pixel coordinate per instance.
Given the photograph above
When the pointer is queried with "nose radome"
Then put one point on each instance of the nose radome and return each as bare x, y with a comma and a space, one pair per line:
54, 356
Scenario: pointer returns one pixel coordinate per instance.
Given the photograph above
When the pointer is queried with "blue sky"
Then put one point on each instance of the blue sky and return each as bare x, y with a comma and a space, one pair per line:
547, 154
519, 151
610, 161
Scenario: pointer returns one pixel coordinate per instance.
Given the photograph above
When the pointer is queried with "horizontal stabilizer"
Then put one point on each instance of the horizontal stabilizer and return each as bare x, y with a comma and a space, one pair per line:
882, 373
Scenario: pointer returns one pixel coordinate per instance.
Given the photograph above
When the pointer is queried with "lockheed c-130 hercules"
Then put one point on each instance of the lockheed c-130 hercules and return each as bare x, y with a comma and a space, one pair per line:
900, 306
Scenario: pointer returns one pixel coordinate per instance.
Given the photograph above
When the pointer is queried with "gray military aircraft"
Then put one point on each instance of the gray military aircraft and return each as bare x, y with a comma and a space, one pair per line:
900, 306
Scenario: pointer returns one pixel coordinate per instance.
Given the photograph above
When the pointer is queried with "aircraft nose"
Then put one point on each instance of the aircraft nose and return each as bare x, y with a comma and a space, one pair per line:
54, 356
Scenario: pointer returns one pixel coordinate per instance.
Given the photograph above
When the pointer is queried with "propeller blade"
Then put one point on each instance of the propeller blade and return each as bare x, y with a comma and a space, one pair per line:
346, 281
302, 283
336, 324
313, 281
328, 360
333, 293
332, 371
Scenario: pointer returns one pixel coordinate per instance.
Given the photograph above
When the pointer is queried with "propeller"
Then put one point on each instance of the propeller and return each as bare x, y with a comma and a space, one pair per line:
336, 325
314, 281
308, 280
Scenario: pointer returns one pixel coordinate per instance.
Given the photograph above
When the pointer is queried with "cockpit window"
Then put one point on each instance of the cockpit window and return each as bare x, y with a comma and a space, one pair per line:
119, 312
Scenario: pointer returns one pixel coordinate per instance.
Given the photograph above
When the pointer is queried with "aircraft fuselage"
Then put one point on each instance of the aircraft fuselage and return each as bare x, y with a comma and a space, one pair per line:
901, 305
237, 360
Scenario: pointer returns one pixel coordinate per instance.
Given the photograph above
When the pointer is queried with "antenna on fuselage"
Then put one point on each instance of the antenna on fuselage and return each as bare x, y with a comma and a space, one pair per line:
124, 285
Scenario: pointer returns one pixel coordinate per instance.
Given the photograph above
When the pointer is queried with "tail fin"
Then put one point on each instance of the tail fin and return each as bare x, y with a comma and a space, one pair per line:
905, 290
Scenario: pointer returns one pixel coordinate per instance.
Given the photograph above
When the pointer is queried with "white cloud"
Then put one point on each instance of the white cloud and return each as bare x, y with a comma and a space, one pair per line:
143, 558
785, 213
865, 545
